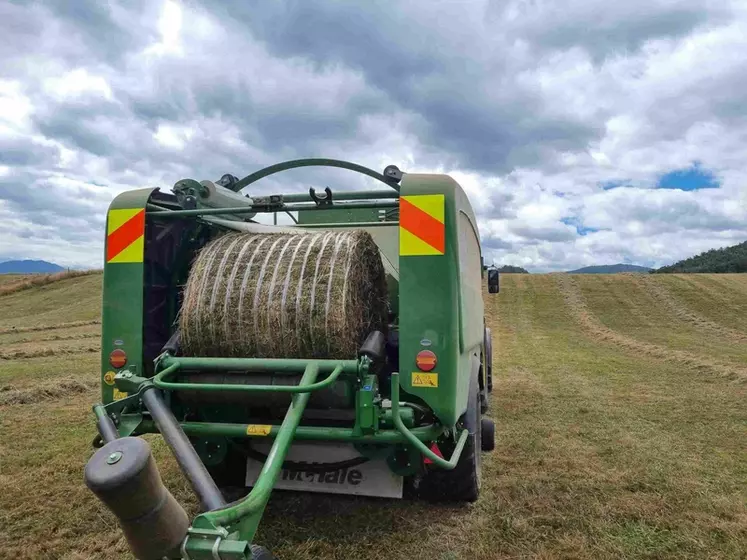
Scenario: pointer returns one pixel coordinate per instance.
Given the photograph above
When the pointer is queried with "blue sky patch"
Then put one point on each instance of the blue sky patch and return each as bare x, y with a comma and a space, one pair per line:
580, 229
690, 179
607, 185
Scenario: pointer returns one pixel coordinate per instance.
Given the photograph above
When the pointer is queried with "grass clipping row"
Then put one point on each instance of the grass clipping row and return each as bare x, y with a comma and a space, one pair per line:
305, 295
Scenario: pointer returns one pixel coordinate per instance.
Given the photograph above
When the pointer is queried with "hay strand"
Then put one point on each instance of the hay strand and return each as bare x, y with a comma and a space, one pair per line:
304, 295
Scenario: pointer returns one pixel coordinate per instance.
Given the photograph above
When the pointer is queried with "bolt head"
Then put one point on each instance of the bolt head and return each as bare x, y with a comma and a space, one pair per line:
114, 457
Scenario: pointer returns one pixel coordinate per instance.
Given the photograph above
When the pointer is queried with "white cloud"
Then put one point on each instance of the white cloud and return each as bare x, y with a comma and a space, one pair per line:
173, 136
15, 107
77, 83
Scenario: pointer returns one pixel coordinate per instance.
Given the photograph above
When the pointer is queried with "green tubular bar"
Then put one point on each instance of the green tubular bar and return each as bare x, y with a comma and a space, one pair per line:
309, 162
160, 381
419, 445
260, 365
348, 224
165, 213
303, 433
248, 512
350, 195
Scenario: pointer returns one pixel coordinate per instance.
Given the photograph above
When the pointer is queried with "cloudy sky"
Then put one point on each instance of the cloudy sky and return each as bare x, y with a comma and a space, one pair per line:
585, 132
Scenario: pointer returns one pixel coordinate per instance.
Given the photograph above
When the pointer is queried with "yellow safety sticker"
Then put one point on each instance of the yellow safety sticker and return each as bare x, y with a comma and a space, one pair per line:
258, 430
109, 377
119, 395
420, 379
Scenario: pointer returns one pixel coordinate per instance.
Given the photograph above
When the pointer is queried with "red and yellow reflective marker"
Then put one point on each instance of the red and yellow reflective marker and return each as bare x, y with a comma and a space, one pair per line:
421, 225
125, 235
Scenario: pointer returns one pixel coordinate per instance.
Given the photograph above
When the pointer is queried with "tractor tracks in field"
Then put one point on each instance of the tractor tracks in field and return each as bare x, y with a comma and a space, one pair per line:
56, 338
37, 328
591, 324
666, 299
45, 352
10, 395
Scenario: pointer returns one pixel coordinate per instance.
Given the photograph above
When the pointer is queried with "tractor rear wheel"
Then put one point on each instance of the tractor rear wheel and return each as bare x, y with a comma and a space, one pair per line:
461, 484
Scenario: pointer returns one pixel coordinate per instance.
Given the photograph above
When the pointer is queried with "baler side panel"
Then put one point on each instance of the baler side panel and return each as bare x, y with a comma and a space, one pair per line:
470, 274
429, 294
122, 302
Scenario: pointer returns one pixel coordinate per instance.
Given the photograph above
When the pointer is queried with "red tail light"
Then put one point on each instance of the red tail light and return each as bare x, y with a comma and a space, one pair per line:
425, 360
118, 358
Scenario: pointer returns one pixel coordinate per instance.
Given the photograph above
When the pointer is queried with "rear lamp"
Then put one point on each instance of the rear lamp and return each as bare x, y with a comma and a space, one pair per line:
118, 358
425, 360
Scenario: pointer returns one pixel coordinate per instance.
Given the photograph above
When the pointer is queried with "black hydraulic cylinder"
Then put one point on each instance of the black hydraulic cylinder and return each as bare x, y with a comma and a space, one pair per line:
188, 459
105, 424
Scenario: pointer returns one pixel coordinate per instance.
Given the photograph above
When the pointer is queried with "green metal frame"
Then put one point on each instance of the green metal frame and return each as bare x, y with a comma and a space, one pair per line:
229, 530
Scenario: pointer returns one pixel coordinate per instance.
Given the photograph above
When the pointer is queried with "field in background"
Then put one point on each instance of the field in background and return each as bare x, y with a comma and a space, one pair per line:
621, 432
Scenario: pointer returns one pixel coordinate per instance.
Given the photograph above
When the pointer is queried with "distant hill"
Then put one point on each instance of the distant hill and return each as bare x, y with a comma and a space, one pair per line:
728, 259
29, 267
513, 269
610, 269
509, 268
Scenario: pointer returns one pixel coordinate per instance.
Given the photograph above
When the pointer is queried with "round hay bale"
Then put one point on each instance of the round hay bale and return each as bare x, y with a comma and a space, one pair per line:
304, 295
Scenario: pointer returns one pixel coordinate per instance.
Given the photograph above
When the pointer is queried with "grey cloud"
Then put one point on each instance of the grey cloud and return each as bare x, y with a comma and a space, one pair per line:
24, 151
605, 29
481, 120
536, 234
22, 26
494, 243
36, 197
107, 30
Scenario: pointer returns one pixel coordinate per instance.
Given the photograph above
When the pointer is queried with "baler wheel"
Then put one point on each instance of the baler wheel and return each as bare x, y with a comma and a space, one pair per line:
489, 358
261, 553
487, 426
462, 484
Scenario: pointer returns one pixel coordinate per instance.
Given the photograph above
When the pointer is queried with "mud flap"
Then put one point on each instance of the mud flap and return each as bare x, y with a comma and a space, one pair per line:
372, 478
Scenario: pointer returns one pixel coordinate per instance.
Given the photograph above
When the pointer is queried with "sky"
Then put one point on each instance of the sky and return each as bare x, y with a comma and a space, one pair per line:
584, 132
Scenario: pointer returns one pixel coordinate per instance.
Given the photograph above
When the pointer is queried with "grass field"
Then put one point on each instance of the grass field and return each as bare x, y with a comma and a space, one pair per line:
621, 410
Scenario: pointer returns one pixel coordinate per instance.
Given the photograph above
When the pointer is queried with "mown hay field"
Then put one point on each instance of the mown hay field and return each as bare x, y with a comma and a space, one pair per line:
620, 405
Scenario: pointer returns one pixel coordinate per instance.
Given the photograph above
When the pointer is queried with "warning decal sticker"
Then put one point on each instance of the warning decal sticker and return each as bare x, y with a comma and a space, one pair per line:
420, 379
421, 225
258, 430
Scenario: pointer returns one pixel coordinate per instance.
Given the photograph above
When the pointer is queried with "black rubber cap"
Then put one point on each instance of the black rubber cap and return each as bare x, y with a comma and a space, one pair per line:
374, 346
117, 463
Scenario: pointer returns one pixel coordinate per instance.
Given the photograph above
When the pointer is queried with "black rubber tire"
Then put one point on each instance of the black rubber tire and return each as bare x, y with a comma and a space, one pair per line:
230, 475
489, 358
461, 484
261, 553
487, 427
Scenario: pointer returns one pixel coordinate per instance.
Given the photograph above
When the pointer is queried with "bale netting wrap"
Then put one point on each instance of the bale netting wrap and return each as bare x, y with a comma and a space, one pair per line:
304, 295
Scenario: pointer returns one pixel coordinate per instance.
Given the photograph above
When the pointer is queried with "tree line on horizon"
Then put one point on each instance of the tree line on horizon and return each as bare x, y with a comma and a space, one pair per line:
726, 259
